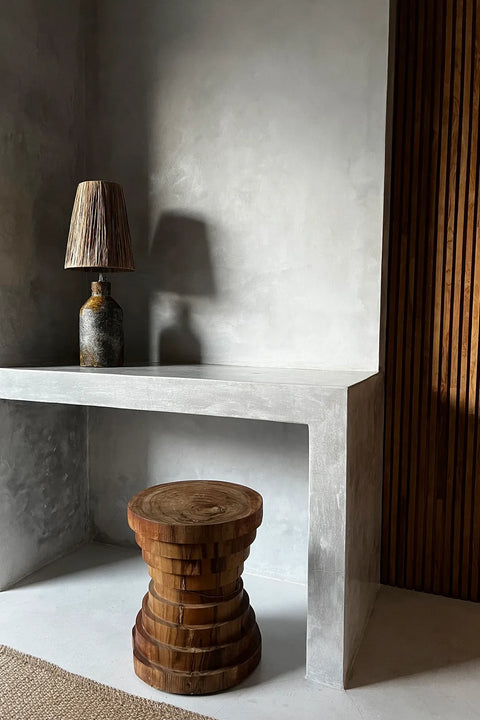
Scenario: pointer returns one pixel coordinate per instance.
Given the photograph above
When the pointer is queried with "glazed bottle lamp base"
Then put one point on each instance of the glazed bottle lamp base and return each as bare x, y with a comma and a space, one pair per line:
101, 329
196, 632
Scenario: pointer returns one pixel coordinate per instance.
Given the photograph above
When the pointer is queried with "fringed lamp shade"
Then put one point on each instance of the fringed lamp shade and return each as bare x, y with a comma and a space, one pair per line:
99, 237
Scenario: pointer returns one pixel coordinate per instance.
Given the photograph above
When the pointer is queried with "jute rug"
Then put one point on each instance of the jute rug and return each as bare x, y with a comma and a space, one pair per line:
32, 689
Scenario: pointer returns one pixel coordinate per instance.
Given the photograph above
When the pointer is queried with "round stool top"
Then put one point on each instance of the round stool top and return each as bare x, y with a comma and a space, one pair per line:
195, 511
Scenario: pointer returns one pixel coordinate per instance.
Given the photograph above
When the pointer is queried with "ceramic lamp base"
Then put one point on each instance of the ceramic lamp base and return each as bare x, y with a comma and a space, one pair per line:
101, 329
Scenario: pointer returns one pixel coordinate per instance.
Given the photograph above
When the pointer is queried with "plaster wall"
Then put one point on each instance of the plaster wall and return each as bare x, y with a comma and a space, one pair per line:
130, 450
250, 140
249, 137
363, 510
43, 490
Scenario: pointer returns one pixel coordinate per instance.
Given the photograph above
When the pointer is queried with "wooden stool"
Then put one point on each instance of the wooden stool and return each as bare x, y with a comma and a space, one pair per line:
196, 632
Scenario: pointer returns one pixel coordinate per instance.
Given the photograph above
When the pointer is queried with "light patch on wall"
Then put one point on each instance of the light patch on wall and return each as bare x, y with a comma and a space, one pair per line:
131, 450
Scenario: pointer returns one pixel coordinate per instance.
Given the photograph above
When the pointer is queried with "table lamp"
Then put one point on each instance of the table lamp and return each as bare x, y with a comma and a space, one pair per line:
99, 240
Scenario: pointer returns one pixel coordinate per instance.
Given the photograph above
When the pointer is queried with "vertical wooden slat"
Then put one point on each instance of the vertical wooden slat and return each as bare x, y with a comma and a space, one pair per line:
454, 282
424, 518
475, 561
440, 355
461, 302
391, 491
399, 467
431, 501
471, 501
396, 165
417, 281
407, 275
431, 370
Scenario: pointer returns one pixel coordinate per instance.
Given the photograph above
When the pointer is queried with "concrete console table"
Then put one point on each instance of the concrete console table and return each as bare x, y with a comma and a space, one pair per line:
344, 414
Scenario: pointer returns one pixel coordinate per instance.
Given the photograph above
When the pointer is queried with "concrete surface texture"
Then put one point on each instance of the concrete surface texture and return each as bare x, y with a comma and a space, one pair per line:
343, 549
249, 137
42, 454
43, 489
420, 658
363, 518
167, 447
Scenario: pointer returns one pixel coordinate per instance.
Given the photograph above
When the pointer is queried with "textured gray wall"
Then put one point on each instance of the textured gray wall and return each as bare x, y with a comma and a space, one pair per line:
364, 509
130, 450
43, 490
249, 137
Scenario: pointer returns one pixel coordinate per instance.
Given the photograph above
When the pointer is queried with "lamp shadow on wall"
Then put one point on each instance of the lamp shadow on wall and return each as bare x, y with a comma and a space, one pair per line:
177, 343
180, 254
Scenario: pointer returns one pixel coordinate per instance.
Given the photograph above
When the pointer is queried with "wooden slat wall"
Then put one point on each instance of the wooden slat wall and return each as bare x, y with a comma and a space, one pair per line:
431, 502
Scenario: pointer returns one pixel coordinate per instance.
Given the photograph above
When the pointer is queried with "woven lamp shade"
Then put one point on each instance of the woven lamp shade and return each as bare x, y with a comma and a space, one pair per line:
99, 237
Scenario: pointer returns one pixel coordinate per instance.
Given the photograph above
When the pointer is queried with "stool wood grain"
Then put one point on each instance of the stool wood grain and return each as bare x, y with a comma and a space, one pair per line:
196, 632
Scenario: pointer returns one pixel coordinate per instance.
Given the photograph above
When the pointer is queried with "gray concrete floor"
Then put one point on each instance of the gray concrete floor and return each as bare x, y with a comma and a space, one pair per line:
420, 657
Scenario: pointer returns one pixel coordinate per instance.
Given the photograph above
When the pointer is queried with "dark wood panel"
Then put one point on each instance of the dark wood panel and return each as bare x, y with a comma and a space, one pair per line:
431, 499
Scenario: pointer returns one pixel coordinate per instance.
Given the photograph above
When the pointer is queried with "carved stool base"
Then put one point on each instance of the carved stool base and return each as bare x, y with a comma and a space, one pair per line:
196, 632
